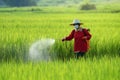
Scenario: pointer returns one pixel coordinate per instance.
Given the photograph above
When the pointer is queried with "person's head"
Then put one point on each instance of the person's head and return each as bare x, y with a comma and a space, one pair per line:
77, 24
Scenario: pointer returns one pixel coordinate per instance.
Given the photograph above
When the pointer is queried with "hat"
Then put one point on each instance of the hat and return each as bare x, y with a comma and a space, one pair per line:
76, 21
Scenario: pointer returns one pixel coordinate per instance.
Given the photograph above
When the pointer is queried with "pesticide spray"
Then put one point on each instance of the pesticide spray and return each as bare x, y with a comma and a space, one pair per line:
39, 51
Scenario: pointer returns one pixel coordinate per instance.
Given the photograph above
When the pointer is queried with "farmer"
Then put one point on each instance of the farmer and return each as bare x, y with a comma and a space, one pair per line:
81, 36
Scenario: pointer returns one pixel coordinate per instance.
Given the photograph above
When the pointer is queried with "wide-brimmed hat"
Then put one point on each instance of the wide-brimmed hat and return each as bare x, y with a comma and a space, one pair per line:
76, 21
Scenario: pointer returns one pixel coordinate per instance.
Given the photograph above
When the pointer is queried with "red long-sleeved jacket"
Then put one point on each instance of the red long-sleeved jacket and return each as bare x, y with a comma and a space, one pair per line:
80, 44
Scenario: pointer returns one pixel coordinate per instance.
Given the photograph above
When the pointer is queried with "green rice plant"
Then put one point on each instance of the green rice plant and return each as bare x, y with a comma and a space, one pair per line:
103, 68
19, 30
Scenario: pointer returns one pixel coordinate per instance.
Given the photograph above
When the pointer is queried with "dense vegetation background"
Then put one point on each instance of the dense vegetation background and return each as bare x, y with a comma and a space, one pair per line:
19, 3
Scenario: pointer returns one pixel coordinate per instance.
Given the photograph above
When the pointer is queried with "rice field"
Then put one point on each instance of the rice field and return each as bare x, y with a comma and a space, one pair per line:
19, 30
102, 69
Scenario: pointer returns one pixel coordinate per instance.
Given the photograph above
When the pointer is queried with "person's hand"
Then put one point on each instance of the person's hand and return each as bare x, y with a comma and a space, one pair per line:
85, 37
63, 39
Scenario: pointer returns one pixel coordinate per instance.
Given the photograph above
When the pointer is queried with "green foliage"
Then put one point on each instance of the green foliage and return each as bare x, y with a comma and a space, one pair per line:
88, 7
18, 3
2, 3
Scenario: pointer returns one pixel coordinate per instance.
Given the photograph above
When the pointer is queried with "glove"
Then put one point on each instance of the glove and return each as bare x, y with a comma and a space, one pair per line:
63, 39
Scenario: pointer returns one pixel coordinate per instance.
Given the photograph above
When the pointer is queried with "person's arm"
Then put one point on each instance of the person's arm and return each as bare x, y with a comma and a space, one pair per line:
70, 37
87, 35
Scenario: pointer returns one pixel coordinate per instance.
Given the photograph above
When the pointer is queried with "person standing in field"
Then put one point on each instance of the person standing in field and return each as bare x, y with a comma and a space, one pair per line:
81, 38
